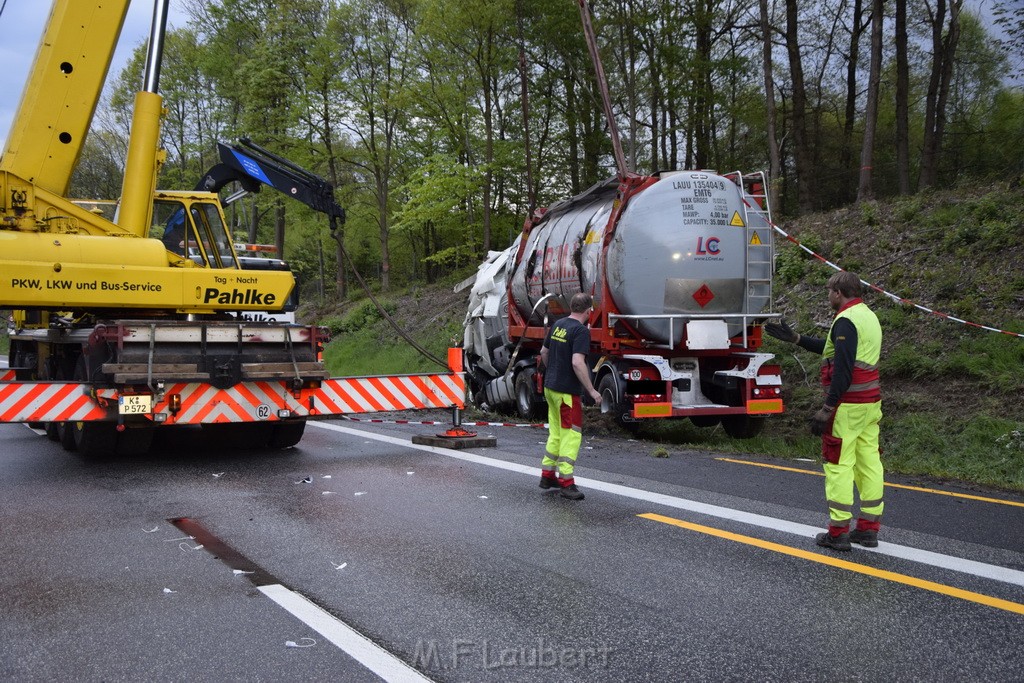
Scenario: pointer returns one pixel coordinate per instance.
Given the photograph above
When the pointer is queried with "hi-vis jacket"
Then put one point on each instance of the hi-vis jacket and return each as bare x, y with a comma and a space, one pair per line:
864, 385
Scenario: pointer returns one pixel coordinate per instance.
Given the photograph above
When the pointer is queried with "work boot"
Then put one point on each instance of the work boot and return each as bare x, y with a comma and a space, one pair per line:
571, 492
827, 540
549, 482
864, 537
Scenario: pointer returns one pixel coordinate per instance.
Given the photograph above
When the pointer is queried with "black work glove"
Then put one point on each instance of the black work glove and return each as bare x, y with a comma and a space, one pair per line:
782, 331
822, 420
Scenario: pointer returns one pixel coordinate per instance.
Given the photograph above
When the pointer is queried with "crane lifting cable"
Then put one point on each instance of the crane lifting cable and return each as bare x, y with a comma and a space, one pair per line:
380, 308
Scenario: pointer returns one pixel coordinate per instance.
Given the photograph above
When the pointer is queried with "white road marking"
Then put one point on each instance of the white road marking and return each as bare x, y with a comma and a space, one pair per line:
957, 564
369, 654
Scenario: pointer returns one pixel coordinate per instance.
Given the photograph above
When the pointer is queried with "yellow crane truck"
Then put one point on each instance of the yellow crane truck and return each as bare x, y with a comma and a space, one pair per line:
118, 327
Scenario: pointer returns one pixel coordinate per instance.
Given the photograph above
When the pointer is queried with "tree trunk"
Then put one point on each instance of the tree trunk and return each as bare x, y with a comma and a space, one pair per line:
489, 141
655, 108
902, 100
385, 232
864, 192
524, 97
774, 155
703, 101
488, 171
341, 278
846, 151
279, 211
943, 53
801, 146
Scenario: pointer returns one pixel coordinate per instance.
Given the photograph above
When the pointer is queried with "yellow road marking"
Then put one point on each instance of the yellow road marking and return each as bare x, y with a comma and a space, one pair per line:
988, 600
895, 486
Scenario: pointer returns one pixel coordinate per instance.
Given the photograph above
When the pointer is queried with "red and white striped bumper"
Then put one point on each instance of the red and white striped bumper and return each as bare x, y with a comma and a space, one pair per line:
200, 403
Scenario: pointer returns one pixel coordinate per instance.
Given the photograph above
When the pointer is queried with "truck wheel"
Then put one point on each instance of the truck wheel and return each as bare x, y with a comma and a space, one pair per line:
287, 434
529, 405
742, 426
611, 399
239, 435
135, 440
52, 431
66, 436
94, 438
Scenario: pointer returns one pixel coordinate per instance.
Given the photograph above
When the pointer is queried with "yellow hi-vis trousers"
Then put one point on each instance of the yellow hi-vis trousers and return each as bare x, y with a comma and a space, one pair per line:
565, 432
859, 464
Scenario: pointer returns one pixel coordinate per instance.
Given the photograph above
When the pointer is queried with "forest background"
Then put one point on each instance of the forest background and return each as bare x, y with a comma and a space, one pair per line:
443, 123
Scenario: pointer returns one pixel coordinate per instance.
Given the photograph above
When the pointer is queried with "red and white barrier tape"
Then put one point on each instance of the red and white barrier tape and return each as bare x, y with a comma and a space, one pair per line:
538, 425
895, 297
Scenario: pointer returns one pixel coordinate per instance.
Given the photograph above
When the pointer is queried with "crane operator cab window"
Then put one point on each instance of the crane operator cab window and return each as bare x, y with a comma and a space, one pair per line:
196, 232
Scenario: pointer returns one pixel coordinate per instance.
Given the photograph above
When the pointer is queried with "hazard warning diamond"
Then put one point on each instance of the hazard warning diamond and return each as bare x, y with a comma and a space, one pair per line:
703, 296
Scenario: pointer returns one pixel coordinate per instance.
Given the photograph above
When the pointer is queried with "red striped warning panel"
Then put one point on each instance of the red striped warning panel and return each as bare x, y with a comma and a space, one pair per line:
201, 403
7, 375
260, 401
48, 402
382, 394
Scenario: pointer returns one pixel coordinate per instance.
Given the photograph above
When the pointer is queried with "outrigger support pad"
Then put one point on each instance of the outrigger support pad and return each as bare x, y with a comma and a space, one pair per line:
455, 437
456, 431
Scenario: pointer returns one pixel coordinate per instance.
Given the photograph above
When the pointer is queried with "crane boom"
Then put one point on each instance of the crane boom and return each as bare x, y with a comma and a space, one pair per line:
60, 96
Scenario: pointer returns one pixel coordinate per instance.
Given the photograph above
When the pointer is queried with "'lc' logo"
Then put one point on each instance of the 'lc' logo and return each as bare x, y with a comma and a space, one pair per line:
709, 246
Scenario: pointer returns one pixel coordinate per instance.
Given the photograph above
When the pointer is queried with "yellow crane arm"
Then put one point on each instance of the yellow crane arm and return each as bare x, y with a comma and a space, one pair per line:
62, 91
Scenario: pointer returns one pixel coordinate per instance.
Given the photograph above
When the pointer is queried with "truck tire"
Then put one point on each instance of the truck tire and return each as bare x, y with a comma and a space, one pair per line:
66, 436
742, 426
94, 438
529, 405
611, 398
238, 435
287, 434
52, 431
135, 440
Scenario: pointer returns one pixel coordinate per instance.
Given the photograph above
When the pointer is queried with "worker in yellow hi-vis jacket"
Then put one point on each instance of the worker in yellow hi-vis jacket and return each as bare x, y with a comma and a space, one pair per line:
566, 378
848, 421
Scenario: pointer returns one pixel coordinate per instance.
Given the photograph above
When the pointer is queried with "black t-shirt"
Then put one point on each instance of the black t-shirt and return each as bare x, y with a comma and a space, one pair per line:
566, 337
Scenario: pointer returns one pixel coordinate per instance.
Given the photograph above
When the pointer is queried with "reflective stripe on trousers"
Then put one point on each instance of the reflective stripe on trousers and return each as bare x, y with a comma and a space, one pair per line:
565, 431
859, 463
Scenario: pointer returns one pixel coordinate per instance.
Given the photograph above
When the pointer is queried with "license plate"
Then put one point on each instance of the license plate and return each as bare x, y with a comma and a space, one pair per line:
141, 404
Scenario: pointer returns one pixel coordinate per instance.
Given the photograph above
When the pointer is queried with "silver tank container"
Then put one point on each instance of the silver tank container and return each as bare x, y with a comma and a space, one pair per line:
688, 247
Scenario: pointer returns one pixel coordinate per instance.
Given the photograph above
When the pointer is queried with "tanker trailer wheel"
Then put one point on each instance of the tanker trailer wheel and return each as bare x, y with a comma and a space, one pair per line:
742, 426
612, 403
529, 405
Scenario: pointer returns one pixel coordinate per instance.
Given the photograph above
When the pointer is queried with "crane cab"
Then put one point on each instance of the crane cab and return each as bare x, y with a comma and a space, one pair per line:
192, 225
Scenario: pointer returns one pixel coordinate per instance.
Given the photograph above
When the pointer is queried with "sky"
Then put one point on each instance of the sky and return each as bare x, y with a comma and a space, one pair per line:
21, 28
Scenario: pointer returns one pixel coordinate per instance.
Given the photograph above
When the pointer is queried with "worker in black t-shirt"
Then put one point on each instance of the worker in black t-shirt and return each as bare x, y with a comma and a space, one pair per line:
566, 378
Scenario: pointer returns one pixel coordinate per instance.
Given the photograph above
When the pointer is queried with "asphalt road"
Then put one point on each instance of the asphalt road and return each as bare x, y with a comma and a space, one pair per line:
457, 567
